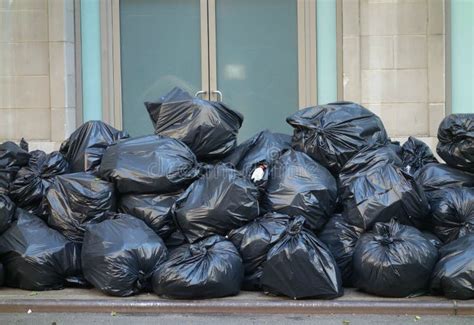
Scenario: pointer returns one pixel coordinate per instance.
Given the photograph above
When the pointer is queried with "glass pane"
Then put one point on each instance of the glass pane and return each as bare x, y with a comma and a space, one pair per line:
160, 48
257, 61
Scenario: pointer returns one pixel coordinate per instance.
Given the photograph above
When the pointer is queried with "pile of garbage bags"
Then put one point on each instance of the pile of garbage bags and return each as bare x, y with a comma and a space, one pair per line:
187, 213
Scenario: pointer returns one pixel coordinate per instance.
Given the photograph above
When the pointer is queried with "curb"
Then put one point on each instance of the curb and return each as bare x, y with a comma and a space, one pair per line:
448, 307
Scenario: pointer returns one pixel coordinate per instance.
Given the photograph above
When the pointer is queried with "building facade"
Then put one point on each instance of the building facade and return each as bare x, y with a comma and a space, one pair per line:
63, 62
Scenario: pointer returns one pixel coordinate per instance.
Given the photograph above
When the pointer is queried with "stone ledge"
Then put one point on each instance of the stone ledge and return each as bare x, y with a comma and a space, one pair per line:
353, 302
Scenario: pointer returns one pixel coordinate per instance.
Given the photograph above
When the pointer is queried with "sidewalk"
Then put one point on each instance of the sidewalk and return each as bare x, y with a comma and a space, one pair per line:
353, 302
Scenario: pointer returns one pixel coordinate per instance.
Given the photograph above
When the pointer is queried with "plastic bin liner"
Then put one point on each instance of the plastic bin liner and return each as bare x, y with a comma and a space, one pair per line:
12, 158
456, 141
76, 200
300, 266
254, 240
373, 188
297, 185
175, 240
433, 239
2, 275
259, 152
393, 260
119, 255
209, 128
453, 275
149, 164
221, 200
7, 212
154, 209
32, 181
36, 257
416, 154
333, 133
396, 147
85, 146
434, 177
209, 268
452, 213
341, 239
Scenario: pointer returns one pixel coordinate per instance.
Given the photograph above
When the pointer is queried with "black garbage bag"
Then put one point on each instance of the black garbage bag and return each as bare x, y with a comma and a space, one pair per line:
433, 239
32, 181
24, 145
85, 146
297, 185
209, 128
453, 275
76, 200
341, 238
175, 240
300, 266
456, 141
154, 209
393, 260
7, 212
373, 188
396, 147
253, 242
331, 134
452, 213
255, 156
149, 164
2, 275
434, 177
12, 158
416, 154
209, 268
119, 255
36, 257
221, 200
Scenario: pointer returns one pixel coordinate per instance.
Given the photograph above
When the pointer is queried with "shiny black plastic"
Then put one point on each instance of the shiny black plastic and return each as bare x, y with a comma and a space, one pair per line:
209, 268
149, 164
341, 239
453, 275
154, 209
393, 260
32, 181
7, 212
456, 141
220, 200
76, 200
36, 257
85, 146
433, 239
119, 255
261, 150
12, 158
434, 177
373, 188
416, 154
209, 128
333, 133
297, 185
452, 213
175, 240
2, 275
300, 266
253, 242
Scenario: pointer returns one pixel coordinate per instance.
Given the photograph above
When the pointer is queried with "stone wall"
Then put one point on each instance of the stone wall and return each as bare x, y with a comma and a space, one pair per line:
393, 62
37, 71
